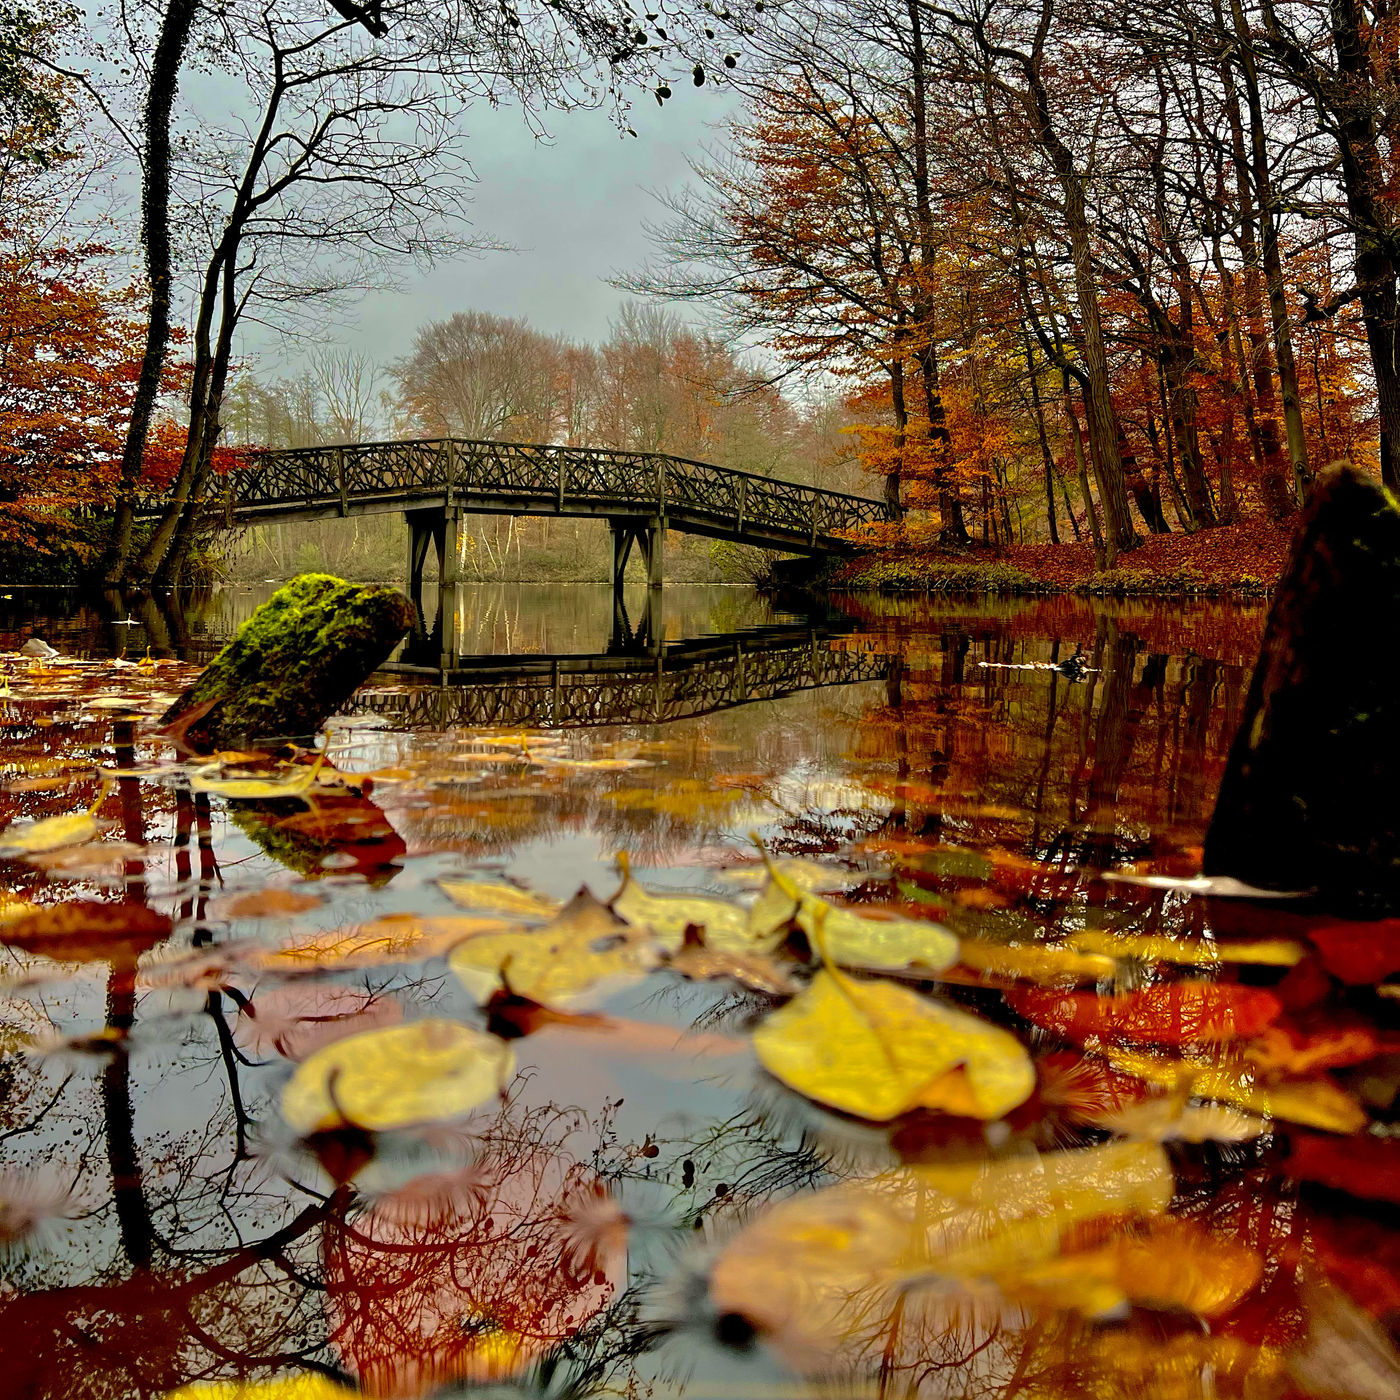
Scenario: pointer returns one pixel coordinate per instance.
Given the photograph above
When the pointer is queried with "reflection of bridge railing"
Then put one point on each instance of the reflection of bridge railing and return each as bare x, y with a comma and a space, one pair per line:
541, 479
685, 680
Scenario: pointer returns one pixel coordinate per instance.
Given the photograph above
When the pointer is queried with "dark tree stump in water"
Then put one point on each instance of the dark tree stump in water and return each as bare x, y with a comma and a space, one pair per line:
294, 663
1311, 793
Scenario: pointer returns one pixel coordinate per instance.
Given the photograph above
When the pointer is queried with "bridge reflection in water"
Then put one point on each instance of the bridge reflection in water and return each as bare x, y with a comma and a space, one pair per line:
665, 681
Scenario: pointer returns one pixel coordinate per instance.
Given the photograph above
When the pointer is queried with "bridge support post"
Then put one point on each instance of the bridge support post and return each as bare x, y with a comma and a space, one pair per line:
449, 548
446, 628
655, 549
623, 533
420, 536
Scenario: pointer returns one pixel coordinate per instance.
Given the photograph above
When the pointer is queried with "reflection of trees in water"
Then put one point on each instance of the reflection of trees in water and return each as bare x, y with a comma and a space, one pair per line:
999, 754
690, 797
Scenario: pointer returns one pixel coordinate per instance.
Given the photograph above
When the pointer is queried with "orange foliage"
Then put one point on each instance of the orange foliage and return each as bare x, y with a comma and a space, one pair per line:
70, 350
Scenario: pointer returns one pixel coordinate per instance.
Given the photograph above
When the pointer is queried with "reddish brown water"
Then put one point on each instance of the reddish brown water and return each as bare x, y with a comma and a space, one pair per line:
1191, 1195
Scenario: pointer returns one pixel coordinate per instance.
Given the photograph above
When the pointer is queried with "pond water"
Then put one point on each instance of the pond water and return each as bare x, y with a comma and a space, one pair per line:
319, 1076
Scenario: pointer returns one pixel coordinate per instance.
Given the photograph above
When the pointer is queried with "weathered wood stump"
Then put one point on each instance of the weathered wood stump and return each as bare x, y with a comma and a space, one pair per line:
295, 662
1311, 794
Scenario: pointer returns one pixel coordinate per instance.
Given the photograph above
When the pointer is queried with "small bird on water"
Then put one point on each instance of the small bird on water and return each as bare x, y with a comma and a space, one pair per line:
1073, 666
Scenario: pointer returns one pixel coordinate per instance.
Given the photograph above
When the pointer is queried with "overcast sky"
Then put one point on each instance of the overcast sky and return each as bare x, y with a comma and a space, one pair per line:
573, 209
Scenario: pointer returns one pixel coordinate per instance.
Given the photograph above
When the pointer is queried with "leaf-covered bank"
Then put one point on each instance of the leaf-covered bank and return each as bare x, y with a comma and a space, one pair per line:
1233, 561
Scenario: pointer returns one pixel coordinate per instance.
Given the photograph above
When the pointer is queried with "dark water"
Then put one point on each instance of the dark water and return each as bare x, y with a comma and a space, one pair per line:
614, 1223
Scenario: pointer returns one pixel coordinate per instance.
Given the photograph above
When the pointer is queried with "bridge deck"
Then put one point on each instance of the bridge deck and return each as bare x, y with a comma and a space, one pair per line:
510, 478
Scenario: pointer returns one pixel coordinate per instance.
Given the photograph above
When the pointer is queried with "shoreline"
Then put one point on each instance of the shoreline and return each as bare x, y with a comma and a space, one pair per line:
1234, 561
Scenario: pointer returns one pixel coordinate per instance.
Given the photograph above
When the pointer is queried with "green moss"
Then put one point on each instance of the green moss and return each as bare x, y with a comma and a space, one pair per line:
295, 661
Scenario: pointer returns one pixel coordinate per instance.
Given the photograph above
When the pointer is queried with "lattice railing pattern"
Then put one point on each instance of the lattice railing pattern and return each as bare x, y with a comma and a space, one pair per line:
641, 697
495, 475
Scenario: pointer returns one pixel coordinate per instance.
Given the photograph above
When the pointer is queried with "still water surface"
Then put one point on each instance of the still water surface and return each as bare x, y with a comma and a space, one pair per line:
1164, 1209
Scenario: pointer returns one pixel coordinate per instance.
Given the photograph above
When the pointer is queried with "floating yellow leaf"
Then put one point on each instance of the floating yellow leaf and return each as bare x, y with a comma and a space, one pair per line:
295, 780
754, 970
1314, 1103
12, 907
310, 1386
50, 834
1168, 1263
1171, 1118
874, 1257
1034, 962
585, 948
392, 938
396, 1077
1189, 952
876, 1050
725, 925
809, 875
497, 898
850, 939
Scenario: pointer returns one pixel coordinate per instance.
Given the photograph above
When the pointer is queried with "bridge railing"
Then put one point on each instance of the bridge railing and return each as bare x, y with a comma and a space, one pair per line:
538, 475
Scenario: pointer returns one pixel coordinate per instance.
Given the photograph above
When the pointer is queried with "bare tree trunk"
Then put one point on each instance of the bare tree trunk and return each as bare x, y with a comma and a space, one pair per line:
1103, 421
1047, 459
1273, 275
1077, 439
155, 236
894, 481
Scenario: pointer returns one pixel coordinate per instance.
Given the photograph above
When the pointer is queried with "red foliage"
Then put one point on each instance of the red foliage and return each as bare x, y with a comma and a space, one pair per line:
1177, 1013
1364, 1166
1358, 953
1209, 559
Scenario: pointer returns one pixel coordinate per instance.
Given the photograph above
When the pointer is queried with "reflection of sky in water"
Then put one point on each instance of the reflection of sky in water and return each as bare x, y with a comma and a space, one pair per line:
992, 788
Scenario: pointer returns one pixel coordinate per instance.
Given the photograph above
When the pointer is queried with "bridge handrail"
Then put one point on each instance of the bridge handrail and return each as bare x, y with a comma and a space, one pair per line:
657, 479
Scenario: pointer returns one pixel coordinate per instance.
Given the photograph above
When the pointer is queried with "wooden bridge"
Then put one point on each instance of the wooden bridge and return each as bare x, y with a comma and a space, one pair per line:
685, 679
435, 482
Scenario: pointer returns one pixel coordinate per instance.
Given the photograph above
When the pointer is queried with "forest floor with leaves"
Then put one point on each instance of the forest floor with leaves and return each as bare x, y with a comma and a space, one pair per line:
1244, 560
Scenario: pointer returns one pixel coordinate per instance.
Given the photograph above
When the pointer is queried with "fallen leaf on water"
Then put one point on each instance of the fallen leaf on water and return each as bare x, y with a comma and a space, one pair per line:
1314, 1103
396, 1077
752, 970
726, 925
1174, 1013
809, 875
585, 948
1190, 952
1220, 886
1035, 962
50, 834
874, 1261
1171, 1118
1280, 1050
876, 1050
295, 1019
1359, 953
1085, 1088
1368, 1167
391, 938
293, 780
512, 1016
268, 904
494, 897
84, 930
850, 939
1166, 1263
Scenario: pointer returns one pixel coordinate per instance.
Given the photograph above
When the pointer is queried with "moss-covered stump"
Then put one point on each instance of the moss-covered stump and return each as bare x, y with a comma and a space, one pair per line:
1311, 793
295, 662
